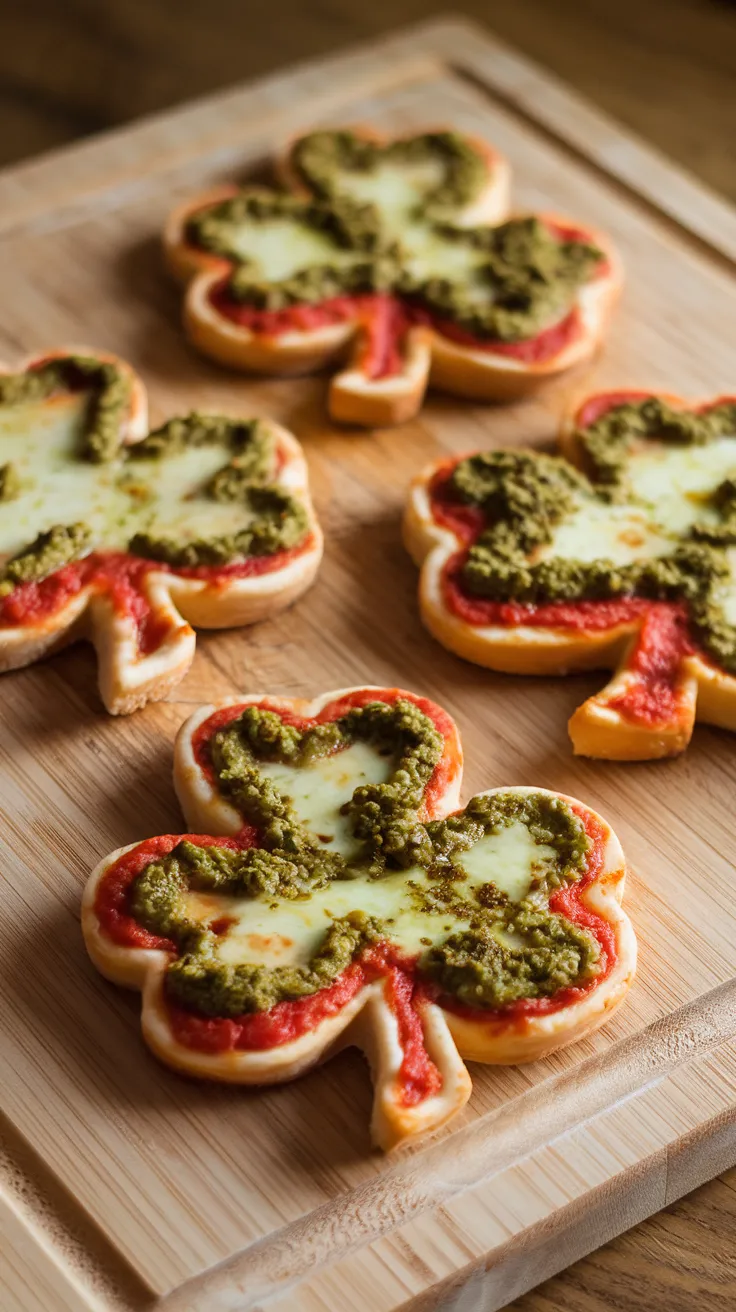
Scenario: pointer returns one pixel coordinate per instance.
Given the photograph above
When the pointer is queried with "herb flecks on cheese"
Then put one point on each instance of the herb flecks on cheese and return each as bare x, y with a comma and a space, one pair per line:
199, 490
344, 861
658, 524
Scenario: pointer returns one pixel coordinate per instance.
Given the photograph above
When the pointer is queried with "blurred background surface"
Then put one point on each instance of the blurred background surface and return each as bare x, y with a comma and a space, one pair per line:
73, 67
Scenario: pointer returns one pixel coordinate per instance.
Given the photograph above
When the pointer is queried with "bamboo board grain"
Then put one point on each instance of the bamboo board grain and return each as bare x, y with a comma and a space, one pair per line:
127, 1187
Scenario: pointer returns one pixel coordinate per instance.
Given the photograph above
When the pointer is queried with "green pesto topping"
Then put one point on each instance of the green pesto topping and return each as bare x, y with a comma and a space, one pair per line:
549, 821
348, 227
9, 481
247, 439
607, 443
529, 274
383, 816
723, 500
202, 983
511, 950
292, 864
279, 522
315, 282
481, 970
522, 276
109, 401
526, 496
275, 520
196, 979
56, 547
321, 157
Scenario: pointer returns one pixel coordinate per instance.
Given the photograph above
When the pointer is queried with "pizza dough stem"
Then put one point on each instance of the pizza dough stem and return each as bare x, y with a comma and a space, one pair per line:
602, 728
127, 675
396, 1115
354, 397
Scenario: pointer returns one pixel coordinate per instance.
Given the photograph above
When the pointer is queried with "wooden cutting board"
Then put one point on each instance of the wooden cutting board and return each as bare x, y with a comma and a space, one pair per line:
127, 1187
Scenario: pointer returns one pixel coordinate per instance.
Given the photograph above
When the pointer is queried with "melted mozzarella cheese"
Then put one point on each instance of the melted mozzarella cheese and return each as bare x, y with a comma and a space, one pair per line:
428, 254
115, 499
675, 481
280, 247
318, 791
671, 487
280, 931
289, 932
595, 531
396, 189
513, 857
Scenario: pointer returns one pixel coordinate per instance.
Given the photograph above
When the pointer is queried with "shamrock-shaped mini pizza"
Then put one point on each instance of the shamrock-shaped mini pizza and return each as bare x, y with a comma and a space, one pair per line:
620, 555
333, 893
380, 260
128, 539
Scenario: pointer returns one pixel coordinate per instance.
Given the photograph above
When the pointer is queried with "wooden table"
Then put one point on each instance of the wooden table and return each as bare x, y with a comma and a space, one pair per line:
666, 69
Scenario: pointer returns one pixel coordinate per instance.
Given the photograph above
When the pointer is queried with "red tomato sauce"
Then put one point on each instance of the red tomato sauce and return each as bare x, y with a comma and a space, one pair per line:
580, 616
385, 323
466, 522
121, 577
655, 696
382, 318
596, 406
258, 1031
332, 711
566, 902
418, 1077
385, 320
113, 892
531, 350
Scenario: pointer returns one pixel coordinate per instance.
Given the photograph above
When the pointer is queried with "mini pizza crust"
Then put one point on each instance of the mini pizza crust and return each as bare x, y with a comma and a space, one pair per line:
598, 730
129, 679
431, 358
375, 1032
707, 693
704, 692
517, 650
289, 355
533, 1037
367, 1020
